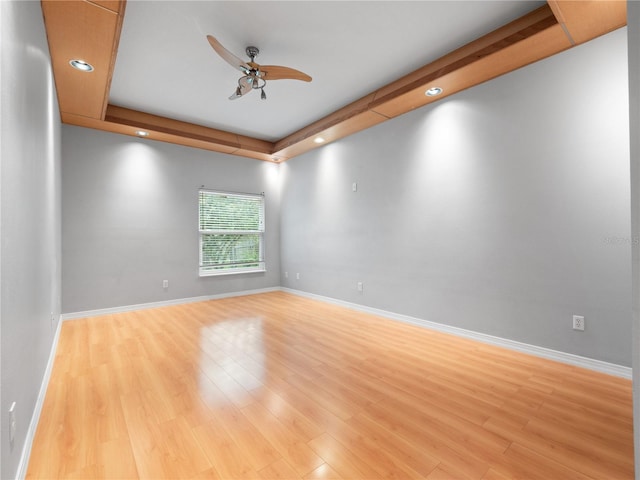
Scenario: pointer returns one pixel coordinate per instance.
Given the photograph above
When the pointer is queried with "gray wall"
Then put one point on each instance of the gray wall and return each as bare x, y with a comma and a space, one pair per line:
30, 217
130, 219
633, 22
503, 209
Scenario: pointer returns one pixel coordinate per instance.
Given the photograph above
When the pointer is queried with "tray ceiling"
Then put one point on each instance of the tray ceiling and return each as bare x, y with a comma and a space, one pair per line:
370, 61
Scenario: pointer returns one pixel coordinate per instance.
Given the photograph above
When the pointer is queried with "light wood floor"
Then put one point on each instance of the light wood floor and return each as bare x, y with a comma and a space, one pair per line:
278, 386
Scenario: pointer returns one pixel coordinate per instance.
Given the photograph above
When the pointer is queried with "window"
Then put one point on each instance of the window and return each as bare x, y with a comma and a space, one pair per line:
231, 233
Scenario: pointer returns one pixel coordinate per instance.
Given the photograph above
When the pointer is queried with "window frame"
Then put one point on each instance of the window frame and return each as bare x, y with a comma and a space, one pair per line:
209, 271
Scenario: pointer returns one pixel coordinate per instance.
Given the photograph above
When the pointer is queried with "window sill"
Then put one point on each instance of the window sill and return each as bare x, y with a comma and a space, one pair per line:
217, 273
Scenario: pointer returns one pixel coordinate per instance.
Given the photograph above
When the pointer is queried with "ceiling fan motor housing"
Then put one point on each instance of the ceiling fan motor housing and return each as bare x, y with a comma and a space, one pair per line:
252, 52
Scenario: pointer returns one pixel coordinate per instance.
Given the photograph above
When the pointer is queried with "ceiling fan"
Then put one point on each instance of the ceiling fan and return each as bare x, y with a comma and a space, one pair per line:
255, 76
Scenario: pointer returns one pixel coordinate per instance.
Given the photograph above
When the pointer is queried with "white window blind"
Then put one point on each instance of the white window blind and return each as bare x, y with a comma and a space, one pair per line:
231, 232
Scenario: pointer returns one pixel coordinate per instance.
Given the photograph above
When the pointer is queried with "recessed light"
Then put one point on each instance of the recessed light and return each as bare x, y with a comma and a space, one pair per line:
433, 91
142, 133
319, 140
275, 159
81, 65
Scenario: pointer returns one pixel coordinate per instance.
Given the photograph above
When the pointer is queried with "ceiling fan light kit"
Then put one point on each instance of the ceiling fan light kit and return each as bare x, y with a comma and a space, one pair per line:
255, 76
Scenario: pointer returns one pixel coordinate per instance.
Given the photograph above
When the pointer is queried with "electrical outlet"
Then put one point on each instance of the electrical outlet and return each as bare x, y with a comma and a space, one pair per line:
53, 320
165, 284
12, 423
297, 276
360, 287
354, 187
286, 274
578, 322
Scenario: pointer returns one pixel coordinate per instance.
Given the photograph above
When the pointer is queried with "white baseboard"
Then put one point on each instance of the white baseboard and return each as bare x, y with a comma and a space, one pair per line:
568, 358
563, 357
35, 418
164, 303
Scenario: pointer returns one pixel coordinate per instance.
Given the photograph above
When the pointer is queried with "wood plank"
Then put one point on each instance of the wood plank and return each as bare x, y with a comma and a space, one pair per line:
161, 448
298, 454
306, 405
413, 456
421, 436
258, 452
494, 475
275, 385
520, 462
340, 459
287, 414
228, 458
364, 449
616, 452
589, 421
119, 448
323, 472
278, 470
560, 453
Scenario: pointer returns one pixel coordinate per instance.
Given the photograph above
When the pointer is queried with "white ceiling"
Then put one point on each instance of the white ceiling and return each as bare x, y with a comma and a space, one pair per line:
165, 65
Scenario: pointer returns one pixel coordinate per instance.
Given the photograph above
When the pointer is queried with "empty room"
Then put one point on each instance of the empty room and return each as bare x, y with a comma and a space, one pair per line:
319, 239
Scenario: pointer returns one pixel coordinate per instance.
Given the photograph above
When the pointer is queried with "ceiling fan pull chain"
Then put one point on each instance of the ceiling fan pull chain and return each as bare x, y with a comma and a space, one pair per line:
263, 95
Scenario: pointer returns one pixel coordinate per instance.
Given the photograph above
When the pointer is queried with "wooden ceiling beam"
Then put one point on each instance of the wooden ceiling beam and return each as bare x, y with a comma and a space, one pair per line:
131, 130
584, 20
531, 49
90, 30
189, 134
407, 93
478, 50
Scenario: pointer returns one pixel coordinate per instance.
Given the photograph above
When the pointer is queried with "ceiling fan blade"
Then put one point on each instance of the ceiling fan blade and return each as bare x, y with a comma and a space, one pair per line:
276, 72
227, 56
244, 87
